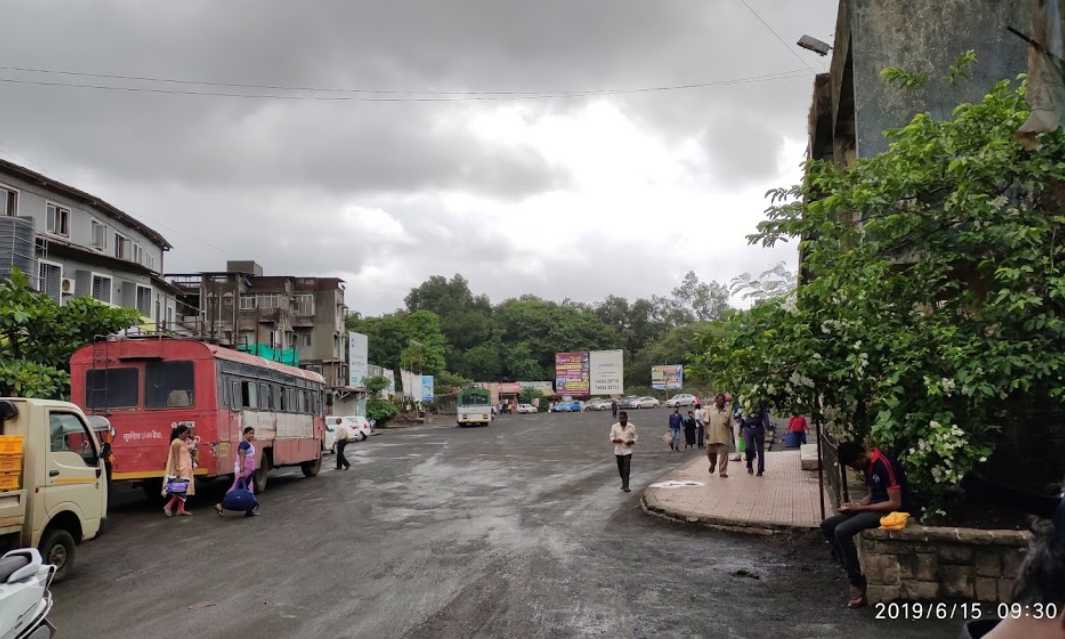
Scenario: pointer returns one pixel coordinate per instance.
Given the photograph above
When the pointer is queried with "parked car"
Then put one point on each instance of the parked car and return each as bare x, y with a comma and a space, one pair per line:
629, 401
526, 408
598, 404
361, 429
572, 406
647, 402
682, 399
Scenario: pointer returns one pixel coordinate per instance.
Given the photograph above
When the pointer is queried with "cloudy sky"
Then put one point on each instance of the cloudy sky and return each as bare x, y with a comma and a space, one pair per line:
575, 187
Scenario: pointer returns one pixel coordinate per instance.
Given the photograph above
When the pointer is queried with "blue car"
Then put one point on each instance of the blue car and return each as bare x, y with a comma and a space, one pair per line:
572, 406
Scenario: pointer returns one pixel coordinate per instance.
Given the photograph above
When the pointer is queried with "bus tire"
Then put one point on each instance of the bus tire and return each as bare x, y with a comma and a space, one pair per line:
311, 468
57, 548
263, 472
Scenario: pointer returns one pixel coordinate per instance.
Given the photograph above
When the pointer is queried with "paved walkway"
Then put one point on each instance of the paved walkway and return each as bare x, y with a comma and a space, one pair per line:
785, 498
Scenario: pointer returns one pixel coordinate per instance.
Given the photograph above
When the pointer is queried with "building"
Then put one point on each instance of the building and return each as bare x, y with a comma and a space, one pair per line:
295, 320
852, 105
81, 246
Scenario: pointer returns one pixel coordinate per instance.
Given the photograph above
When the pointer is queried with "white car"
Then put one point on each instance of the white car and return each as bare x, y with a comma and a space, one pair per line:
683, 399
647, 402
526, 408
598, 404
361, 429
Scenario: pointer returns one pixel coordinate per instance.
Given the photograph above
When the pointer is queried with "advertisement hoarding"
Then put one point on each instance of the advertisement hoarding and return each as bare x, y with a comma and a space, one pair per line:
667, 377
427, 388
606, 372
545, 388
572, 374
358, 359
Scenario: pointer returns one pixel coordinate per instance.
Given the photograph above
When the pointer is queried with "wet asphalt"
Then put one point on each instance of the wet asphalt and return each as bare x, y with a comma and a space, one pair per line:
515, 530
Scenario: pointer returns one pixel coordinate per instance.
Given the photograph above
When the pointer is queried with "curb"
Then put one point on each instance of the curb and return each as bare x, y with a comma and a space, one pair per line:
714, 523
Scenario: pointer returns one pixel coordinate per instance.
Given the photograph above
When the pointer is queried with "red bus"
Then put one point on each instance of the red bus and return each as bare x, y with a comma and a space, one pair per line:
147, 386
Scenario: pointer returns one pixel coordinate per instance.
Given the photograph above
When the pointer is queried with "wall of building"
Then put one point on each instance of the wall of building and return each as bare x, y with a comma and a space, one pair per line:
927, 37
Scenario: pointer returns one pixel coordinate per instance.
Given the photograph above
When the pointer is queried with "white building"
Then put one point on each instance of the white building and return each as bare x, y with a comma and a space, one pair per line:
84, 246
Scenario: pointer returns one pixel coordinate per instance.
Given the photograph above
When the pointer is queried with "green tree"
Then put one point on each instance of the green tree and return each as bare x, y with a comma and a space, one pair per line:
38, 336
934, 311
378, 408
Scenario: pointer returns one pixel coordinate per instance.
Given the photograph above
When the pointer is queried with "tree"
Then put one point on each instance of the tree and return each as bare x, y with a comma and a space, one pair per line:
775, 282
934, 310
404, 340
38, 336
707, 300
378, 408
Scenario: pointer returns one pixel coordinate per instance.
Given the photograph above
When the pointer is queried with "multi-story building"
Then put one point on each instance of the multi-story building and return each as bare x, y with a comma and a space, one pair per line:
291, 319
81, 245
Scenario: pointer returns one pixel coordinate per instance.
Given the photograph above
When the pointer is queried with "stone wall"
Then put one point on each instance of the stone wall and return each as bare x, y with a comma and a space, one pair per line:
929, 563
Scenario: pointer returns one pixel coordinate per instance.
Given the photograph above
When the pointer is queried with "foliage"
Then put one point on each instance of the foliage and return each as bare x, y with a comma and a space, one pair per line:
411, 341
903, 79
380, 410
936, 296
707, 300
38, 336
961, 68
375, 384
447, 382
529, 395
474, 396
775, 282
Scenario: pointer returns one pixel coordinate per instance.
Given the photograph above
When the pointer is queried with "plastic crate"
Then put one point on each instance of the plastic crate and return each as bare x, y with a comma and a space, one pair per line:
10, 462
10, 481
11, 444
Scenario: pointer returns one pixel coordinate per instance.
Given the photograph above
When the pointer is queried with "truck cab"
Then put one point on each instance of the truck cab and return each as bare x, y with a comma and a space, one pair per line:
57, 498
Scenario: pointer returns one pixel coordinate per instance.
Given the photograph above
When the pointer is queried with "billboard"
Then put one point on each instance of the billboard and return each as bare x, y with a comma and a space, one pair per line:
606, 372
545, 388
358, 359
427, 388
571, 373
667, 377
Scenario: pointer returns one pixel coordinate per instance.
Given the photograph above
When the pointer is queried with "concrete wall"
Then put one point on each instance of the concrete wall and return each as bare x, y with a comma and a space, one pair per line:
927, 36
32, 203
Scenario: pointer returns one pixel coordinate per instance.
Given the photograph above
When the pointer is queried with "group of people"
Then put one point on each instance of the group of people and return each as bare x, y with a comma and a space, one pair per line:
179, 477
724, 430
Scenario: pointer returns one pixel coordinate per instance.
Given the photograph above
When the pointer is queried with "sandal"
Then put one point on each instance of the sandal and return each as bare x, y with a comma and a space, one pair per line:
857, 599
167, 512
218, 509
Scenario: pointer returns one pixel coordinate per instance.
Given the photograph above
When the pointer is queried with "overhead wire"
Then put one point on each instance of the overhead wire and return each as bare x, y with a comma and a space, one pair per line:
777, 35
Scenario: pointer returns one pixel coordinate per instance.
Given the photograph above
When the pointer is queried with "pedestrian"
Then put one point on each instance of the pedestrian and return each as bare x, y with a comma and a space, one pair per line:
344, 435
614, 408
178, 479
675, 422
244, 467
885, 480
689, 430
700, 424
736, 445
623, 436
797, 425
718, 435
754, 425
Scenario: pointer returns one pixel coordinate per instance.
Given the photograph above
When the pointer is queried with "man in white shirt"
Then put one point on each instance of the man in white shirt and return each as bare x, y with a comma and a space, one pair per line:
344, 435
623, 436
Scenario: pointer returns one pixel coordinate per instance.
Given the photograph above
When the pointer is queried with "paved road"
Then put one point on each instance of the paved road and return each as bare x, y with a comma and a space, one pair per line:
516, 530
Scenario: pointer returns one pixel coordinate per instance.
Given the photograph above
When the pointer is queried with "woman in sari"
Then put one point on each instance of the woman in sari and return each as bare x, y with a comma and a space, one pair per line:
178, 480
244, 469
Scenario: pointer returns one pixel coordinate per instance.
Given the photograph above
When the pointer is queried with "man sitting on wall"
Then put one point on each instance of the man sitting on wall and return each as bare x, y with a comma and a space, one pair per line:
886, 483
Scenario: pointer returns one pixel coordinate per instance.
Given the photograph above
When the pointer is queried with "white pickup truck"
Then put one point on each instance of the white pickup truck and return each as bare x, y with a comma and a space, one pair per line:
60, 499
474, 408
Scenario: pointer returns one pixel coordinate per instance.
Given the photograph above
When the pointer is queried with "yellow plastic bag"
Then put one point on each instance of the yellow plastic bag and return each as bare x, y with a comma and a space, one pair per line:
894, 521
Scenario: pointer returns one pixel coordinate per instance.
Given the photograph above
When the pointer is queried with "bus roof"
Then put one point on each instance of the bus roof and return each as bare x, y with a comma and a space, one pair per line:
175, 347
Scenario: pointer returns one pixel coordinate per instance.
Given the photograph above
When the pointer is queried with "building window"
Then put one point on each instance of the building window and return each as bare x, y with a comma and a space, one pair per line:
138, 255
269, 301
8, 201
99, 236
305, 304
247, 303
58, 219
101, 288
50, 280
121, 246
144, 300
307, 338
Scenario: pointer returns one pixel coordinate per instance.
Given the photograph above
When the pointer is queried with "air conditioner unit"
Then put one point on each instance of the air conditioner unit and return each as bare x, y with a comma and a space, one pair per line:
68, 286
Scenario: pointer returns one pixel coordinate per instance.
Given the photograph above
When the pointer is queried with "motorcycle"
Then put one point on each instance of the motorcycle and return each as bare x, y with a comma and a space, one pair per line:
25, 599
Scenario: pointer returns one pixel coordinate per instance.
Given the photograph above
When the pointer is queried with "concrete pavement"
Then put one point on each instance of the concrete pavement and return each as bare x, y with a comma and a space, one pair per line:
786, 498
515, 530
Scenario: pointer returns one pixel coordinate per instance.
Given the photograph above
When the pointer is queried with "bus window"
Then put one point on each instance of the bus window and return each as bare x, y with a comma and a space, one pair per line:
285, 404
111, 387
249, 393
276, 391
234, 394
169, 385
264, 396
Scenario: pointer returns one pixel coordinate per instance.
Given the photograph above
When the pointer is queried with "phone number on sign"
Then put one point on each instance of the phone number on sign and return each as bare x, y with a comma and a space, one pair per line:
917, 611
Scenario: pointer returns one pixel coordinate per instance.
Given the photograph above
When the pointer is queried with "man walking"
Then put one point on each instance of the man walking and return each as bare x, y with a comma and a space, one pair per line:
675, 423
614, 408
718, 434
700, 424
344, 435
623, 436
754, 426
886, 481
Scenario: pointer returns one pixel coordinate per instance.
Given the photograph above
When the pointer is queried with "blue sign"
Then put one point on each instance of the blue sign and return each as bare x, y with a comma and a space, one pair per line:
427, 388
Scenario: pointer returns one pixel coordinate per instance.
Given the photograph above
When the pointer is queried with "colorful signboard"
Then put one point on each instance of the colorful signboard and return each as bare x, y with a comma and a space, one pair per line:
572, 374
358, 359
427, 388
667, 377
545, 388
606, 372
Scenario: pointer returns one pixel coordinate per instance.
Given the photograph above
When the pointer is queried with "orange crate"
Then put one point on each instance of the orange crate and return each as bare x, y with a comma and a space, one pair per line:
10, 463
11, 444
10, 481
